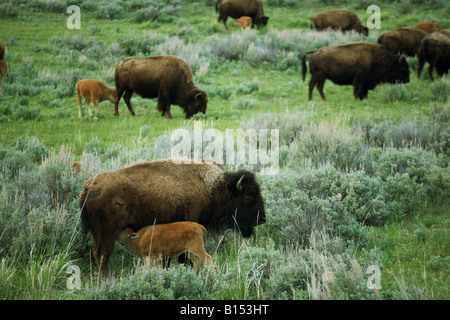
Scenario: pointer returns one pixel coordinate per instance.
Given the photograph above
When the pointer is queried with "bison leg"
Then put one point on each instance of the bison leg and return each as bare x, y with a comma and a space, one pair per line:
96, 104
120, 92
430, 72
224, 19
87, 106
320, 84
102, 251
79, 106
127, 98
164, 106
312, 84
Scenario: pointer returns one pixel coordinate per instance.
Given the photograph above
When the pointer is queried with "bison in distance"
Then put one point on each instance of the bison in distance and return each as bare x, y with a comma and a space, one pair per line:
96, 91
363, 65
402, 40
339, 19
435, 49
239, 8
167, 78
163, 192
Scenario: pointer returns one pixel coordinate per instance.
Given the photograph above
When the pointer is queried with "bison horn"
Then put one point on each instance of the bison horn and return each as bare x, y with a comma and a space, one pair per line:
134, 236
198, 95
238, 184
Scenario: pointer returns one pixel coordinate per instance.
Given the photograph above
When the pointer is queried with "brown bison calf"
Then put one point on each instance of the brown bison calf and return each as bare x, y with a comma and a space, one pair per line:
96, 91
161, 242
428, 27
243, 22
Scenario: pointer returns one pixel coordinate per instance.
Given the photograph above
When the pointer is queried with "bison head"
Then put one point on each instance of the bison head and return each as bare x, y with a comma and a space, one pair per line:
197, 102
364, 31
262, 21
400, 72
246, 206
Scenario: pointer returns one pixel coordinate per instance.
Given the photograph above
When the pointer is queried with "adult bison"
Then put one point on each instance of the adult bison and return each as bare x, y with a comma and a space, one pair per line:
435, 49
239, 8
363, 65
167, 78
166, 191
339, 19
402, 40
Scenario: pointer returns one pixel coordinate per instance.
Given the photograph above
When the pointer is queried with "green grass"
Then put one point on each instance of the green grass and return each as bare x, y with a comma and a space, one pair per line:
284, 259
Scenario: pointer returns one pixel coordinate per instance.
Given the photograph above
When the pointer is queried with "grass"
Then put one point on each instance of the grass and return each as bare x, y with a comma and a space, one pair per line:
386, 156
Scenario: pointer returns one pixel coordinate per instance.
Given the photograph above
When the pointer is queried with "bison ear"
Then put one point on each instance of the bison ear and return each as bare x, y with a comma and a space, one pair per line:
134, 236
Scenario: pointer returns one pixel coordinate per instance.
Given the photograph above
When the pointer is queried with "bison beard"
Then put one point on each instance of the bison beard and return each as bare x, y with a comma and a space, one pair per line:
164, 192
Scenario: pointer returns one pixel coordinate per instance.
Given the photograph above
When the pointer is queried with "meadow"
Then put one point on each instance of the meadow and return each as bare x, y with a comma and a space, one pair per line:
358, 210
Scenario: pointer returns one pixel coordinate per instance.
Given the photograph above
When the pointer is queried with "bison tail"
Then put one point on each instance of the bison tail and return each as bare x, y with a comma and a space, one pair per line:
84, 214
304, 68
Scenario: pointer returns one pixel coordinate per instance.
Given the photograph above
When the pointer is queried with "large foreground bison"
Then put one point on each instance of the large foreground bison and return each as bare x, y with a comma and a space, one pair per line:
363, 65
402, 40
167, 78
339, 19
435, 49
163, 192
239, 8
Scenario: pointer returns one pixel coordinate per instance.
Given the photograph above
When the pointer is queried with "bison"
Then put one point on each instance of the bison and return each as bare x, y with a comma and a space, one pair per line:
3, 70
428, 27
161, 242
339, 19
167, 191
435, 49
243, 22
96, 91
167, 78
402, 40
238, 8
363, 65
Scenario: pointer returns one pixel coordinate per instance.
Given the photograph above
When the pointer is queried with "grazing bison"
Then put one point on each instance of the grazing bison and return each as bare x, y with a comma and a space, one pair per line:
238, 8
435, 49
167, 78
339, 19
163, 192
3, 70
243, 22
363, 65
96, 91
161, 242
428, 27
402, 40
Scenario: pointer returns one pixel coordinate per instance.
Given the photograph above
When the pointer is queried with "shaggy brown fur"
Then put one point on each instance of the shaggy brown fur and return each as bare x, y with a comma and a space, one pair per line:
428, 27
243, 22
161, 242
435, 49
3, 70
239, 8
339, 19
167, 78
2, 50
163, 192
96, 91
363, 65
402, 40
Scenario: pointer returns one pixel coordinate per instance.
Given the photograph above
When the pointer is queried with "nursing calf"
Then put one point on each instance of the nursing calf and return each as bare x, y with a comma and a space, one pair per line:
161, 242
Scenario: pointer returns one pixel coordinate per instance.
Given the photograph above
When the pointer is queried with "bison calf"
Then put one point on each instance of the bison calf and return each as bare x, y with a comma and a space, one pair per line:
96, 91
161, 242
243, 22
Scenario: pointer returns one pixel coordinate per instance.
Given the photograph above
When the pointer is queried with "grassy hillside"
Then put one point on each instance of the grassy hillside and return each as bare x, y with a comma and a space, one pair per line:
361, 183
